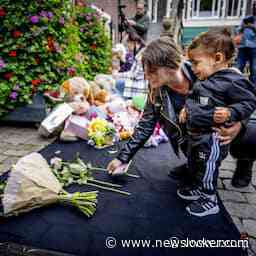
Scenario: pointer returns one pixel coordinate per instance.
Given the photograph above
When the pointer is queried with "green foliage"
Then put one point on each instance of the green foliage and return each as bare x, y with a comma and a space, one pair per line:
42, 44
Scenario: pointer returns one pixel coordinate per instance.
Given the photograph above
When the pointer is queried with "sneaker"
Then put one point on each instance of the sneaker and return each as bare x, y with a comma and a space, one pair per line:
204, 206
189, 193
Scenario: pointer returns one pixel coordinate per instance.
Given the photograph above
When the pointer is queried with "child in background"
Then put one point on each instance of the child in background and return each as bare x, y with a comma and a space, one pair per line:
220, 96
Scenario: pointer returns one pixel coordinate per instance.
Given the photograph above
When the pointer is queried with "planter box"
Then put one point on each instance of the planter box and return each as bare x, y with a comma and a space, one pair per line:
31, 113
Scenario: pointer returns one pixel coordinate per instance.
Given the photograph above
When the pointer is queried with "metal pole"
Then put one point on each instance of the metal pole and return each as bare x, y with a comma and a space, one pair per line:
118, 19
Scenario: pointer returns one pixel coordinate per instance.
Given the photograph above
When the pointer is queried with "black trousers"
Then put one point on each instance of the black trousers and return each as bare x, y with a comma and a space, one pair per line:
205, 155
244, 146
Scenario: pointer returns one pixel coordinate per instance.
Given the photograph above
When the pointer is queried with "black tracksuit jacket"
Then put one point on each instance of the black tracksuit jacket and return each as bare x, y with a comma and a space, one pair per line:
225, 88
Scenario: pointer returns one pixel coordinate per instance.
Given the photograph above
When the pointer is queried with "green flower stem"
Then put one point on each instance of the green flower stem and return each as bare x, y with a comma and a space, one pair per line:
105, 170
110, 189
104, 183
84, 201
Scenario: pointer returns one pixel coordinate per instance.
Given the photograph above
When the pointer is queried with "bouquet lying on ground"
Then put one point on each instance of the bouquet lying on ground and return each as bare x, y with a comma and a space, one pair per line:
101, 133
32, 184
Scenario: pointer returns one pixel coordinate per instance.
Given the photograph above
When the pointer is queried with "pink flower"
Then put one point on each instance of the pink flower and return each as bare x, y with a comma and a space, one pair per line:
2, 63
61, 20
13, 95
88, 18
16, 87
71, 71
43, 14
34, 19
49, 15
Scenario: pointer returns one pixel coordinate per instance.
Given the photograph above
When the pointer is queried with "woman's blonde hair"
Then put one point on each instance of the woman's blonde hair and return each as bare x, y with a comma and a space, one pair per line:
162, 52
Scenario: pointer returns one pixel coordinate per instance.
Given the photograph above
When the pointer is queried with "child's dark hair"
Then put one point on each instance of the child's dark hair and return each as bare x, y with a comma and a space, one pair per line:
214, 41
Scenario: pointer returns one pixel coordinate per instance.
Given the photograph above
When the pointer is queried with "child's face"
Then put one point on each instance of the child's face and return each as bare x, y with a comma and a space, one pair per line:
203, 64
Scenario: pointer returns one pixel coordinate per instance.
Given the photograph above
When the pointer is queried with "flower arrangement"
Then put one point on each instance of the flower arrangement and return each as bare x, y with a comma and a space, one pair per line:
95, 45
31, 36
41, 45
101, 133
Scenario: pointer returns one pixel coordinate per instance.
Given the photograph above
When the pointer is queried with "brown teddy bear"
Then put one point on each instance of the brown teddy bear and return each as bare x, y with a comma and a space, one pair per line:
100, 96
77, 92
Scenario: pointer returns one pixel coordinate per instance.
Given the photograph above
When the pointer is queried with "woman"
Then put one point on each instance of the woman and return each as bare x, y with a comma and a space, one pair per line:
170, 80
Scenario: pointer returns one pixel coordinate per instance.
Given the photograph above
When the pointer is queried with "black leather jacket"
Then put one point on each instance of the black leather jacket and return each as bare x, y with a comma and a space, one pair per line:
162, 110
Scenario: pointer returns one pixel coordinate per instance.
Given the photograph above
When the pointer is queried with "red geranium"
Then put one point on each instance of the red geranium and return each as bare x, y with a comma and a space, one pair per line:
37, 59
36, 82
12, 53
94, 46
8, 75
55, 94
50, 44
2, 12
16, 34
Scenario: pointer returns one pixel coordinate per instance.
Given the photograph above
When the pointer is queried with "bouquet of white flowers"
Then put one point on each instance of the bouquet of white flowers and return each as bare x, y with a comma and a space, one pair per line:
32, 184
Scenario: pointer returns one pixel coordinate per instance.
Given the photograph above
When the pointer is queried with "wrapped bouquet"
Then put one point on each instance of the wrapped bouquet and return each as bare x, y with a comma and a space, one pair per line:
32, 184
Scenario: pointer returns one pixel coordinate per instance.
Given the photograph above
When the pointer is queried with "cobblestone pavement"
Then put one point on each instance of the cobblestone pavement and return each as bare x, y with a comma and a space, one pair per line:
240, 203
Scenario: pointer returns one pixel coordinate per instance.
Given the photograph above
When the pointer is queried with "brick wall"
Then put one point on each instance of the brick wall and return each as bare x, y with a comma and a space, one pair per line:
111, 7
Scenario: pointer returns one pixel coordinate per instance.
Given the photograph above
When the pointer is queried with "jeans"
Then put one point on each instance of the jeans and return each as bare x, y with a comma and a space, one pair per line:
247, 54
120, 84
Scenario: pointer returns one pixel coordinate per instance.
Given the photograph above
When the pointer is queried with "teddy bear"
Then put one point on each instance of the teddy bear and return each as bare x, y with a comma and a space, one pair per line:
77, 92
99, 95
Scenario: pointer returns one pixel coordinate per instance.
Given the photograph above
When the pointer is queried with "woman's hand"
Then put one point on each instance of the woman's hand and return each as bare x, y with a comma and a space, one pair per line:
226, 135
115, 163
183, 116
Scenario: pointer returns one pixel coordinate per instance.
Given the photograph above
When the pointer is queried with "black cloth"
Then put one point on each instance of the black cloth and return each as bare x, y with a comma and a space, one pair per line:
153, 211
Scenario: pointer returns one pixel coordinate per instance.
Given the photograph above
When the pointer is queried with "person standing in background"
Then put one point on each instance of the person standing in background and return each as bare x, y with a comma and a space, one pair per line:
140, 22
247, 44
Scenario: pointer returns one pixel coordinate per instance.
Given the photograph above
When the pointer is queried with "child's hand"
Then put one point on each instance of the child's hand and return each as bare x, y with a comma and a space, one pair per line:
183, 116
221, 115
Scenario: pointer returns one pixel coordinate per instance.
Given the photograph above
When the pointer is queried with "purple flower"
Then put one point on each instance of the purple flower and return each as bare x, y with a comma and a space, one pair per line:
16, 87
2, 63
57, 47
71, 71
43, 14
82, 30
88, 18
49, 15
61, 20
13, 95
34, 19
